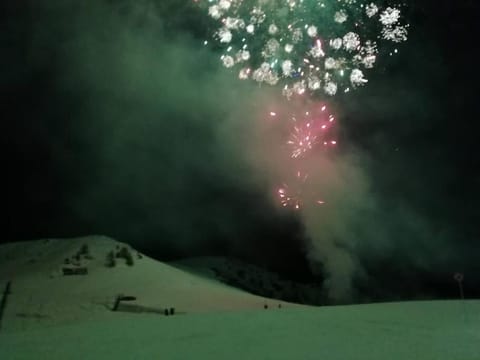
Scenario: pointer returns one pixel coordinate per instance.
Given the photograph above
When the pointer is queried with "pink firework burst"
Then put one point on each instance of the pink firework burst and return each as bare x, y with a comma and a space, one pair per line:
310, 128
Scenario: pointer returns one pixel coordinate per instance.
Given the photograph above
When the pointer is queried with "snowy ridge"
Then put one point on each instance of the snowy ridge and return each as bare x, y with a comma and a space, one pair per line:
43, 296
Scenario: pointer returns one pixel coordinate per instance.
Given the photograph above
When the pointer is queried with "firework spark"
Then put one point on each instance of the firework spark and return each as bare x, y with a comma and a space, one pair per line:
309, 129
307, 46
294, 196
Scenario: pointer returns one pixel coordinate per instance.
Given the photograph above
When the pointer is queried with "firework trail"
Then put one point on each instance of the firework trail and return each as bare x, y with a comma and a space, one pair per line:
316, 46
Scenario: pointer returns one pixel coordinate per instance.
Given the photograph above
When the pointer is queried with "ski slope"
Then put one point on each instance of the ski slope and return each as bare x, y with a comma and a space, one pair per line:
49, 316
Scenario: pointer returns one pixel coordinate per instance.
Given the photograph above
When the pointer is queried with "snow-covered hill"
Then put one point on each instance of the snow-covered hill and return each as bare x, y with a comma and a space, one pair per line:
52, 316
42, 296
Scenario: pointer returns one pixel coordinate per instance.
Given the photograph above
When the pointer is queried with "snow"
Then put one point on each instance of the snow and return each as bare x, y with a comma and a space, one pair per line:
49, 316
428, 330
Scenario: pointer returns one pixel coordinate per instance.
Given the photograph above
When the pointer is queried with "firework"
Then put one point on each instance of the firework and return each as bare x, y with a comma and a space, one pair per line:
316, 46
310, 129
294, 196
308, 125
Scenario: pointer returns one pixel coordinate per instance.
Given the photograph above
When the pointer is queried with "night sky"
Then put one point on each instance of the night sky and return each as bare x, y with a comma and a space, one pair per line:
117, 121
